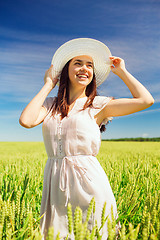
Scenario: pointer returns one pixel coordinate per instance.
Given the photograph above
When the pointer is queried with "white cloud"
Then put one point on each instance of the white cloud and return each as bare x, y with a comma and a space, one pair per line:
9, 114
27, 37
145, 135
24, 63
143, 112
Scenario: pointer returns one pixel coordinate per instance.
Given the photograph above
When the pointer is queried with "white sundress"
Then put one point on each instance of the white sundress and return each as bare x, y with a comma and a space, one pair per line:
72, 172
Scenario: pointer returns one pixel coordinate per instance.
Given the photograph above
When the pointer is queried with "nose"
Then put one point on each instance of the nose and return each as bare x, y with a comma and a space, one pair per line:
84, 67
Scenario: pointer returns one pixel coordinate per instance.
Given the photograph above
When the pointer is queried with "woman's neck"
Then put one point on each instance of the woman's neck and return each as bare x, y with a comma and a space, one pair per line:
73, 95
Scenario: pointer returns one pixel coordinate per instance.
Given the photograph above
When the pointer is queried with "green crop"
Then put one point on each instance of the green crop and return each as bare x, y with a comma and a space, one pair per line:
133, 170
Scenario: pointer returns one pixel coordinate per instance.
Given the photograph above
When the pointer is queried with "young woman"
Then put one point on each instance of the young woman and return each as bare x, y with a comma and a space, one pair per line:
71, 129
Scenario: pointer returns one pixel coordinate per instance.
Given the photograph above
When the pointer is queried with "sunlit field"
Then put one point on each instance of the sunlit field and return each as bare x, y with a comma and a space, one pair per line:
133, 170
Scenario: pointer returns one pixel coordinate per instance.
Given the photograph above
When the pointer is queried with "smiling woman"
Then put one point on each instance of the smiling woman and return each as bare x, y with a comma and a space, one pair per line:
80, 71
71, 131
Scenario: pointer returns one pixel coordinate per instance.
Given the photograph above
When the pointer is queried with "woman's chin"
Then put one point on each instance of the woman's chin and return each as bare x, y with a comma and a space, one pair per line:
80, 83
83, 82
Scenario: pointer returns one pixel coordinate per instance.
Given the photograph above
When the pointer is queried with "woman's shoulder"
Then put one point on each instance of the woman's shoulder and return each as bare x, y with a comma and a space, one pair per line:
49, 101
100, 101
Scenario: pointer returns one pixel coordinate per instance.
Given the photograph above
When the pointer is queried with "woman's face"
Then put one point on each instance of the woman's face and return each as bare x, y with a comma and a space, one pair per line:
80, 71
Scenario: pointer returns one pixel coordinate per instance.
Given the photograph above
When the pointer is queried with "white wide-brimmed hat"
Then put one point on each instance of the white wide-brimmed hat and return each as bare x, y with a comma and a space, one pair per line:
99, 52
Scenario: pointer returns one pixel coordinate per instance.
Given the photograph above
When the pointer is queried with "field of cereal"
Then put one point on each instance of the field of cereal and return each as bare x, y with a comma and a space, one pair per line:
133, 170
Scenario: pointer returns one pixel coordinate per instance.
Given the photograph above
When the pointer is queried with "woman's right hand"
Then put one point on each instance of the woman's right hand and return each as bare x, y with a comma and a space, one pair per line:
48, 78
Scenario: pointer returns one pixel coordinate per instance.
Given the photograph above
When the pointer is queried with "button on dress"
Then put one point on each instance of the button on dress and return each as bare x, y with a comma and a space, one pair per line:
72, 172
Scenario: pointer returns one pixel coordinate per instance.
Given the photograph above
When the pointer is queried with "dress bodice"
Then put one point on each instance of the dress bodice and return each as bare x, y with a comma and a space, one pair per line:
77, 133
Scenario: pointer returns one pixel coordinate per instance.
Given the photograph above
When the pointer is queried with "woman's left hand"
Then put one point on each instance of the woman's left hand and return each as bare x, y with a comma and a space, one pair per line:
117, 65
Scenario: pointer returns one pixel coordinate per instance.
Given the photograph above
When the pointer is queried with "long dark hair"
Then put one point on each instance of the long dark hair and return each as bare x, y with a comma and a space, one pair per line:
61, 103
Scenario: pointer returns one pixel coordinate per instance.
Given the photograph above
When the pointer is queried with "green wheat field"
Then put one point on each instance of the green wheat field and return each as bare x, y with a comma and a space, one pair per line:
133, 170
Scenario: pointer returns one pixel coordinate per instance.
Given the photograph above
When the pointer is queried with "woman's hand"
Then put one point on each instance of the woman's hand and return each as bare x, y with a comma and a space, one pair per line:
48, 78
117, 65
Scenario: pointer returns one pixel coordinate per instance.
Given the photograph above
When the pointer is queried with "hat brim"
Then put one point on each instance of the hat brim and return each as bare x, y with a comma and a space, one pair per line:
99, 52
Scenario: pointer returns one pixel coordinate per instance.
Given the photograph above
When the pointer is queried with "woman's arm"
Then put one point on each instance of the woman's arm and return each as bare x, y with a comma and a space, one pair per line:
141, 97
34, 113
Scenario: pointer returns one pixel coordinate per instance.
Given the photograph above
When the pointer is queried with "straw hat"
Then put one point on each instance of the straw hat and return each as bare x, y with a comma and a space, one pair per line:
99, 52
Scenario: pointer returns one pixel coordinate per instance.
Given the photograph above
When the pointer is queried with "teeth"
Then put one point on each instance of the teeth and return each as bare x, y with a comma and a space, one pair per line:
82, 76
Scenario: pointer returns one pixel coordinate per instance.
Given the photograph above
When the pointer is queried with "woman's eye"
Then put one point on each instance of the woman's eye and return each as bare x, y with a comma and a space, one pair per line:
90, 66
77, 63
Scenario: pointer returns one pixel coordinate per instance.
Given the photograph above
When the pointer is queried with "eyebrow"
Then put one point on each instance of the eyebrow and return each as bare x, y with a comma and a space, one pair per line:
78, 60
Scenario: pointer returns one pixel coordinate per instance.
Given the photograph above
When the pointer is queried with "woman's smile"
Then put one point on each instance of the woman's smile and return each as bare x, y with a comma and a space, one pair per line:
82, 76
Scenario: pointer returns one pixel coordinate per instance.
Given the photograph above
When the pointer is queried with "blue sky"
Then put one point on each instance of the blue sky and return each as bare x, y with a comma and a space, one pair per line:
31, 31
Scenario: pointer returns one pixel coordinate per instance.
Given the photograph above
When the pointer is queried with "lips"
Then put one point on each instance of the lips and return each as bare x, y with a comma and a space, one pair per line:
82, 75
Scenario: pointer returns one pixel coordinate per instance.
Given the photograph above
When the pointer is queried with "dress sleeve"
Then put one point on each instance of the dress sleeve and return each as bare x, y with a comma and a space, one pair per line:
48, 103
99, 103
